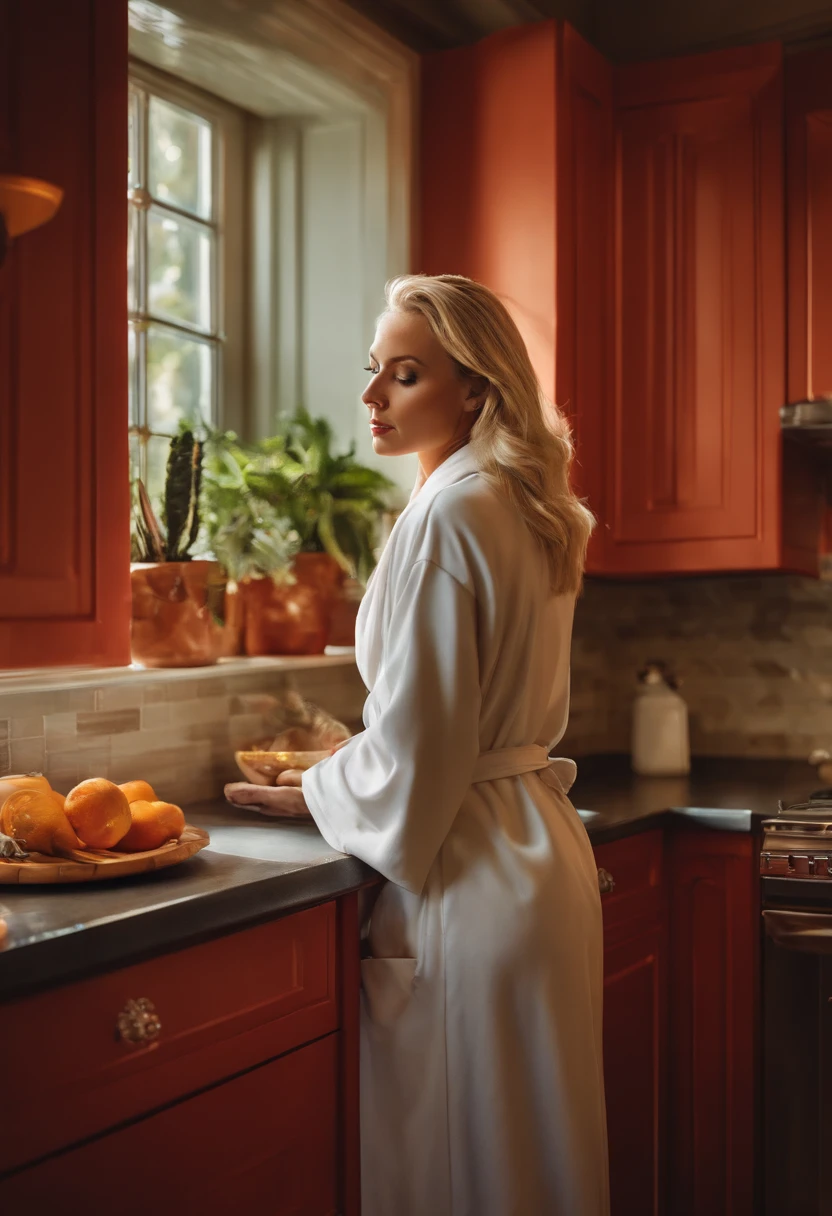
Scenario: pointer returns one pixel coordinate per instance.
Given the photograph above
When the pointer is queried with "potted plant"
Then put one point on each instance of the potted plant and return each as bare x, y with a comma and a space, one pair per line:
256, 546
182, 615
331, 505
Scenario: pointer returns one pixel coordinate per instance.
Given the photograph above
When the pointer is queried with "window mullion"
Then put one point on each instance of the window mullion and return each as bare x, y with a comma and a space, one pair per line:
141, 285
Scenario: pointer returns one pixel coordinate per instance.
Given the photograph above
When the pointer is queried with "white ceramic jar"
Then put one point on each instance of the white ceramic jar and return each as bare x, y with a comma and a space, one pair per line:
660, 737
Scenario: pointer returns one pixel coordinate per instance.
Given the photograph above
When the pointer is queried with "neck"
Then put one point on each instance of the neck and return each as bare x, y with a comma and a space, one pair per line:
430, 461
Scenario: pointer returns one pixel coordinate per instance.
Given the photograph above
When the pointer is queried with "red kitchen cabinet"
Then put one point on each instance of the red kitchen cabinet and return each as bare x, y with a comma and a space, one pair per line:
635, 1022
809, 212
693, 432
681, 972
246, 1097
809, 244
64, 486
638, 239
714, 970
584, 287
265, 1141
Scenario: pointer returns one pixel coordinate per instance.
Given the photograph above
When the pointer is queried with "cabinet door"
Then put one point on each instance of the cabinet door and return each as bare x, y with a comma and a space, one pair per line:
634, 1010
635, 1016
64, 492
809, 201
584, 380
264, 1142
714, 1014
694, 441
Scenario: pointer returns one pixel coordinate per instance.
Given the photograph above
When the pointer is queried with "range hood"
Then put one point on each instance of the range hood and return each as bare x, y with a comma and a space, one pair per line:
809, 421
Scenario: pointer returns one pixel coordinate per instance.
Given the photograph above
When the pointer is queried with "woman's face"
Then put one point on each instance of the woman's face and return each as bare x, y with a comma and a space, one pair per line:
417, 399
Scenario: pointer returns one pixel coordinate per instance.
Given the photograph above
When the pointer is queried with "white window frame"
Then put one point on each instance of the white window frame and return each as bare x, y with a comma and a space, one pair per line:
228, 285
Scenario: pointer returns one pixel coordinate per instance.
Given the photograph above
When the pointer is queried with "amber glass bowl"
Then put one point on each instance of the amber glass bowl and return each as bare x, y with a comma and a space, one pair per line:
264, 768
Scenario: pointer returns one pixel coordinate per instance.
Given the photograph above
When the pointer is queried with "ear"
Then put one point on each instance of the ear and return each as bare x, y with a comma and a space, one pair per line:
475, 397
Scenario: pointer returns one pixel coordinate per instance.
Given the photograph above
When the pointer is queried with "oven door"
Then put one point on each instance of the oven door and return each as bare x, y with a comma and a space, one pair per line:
797, 1063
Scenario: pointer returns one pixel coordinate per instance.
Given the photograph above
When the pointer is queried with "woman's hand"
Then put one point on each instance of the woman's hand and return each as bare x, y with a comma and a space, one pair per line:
282, 803
294, 776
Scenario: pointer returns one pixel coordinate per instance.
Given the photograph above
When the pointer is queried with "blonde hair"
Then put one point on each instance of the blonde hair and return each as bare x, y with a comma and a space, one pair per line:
521, 442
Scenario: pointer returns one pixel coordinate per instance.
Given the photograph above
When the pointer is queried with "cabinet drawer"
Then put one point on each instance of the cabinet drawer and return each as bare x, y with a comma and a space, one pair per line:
635, 864
263, 1142
223, 1006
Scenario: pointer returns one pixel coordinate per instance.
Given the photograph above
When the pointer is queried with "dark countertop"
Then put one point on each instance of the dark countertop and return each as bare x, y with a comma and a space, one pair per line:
720, 793
257, 868
254, 869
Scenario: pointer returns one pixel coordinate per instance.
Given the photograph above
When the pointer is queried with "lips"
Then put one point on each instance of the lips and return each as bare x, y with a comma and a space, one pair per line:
380, 428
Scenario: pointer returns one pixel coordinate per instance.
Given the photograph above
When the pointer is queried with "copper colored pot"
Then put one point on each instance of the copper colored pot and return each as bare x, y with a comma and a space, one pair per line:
292, 618
182, 615
344, 613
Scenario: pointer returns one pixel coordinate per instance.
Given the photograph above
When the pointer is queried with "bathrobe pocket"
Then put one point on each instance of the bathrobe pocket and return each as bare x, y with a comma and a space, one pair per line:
388, 985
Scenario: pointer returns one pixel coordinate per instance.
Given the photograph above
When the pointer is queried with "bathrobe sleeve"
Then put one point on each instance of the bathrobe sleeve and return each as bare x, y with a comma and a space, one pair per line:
391, 794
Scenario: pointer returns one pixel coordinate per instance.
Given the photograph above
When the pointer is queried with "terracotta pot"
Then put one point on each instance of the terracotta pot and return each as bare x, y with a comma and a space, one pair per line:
292, 618
344, 612
179, 614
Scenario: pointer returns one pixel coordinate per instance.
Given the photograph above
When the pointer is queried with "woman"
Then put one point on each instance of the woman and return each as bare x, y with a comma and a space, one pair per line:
481, 1075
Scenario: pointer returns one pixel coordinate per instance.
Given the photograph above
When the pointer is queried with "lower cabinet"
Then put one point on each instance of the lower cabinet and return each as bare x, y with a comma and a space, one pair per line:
221, 1078
680, 987
635, 1018
266, 1141
714, 1010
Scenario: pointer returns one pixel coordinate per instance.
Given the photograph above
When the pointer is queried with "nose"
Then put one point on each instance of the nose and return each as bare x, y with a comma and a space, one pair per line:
373, 396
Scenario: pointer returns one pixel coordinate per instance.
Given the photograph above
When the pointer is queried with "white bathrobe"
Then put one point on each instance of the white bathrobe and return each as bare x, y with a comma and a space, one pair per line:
481, 1072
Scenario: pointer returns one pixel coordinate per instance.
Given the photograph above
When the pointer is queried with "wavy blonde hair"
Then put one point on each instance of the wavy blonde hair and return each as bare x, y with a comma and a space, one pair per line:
522, 442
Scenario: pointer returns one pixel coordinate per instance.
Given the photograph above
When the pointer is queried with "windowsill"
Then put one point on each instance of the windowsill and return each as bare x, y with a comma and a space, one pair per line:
34, 679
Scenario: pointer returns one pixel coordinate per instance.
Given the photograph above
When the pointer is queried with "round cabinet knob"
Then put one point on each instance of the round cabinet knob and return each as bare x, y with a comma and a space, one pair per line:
138, 1023
606, 882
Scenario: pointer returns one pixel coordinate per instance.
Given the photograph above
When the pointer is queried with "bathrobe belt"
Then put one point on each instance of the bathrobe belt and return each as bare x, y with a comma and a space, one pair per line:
558, 772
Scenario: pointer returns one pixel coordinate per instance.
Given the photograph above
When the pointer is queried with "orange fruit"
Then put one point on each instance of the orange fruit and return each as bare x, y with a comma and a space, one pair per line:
138, 791
99, 812
154, 823
34, 817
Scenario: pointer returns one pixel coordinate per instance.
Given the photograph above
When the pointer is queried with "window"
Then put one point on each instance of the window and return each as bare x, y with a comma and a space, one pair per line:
177, 219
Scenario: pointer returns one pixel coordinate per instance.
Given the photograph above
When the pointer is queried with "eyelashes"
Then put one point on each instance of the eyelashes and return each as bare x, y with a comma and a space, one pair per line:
411, 379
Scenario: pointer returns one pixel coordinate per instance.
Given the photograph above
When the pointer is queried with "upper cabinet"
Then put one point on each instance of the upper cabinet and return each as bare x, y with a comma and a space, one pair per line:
693, 435
64, 487
662, 187
809, 200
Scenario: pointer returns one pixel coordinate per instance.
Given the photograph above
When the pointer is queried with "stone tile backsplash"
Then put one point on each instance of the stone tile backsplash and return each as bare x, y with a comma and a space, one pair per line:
176, 731
754, 655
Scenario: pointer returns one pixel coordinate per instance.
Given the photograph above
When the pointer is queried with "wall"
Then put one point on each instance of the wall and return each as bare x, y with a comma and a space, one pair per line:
178, 730
754, 655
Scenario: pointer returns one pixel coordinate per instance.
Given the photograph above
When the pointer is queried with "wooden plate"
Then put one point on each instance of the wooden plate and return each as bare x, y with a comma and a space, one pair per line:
90, 865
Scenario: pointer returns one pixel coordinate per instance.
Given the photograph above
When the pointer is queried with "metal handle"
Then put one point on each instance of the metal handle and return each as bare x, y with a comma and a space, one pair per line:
809, 932
606, 882
138, 1023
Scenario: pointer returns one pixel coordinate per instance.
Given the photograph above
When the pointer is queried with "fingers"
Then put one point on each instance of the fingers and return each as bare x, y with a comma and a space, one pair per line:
283, 803
291, 776
243, 792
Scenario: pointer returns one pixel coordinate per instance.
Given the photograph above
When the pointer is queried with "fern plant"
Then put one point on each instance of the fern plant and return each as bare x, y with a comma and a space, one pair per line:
330, 502
247, 534
172, 539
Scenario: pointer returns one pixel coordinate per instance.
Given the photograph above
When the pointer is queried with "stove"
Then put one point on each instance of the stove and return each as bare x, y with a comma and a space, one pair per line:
797, 844
796, 896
